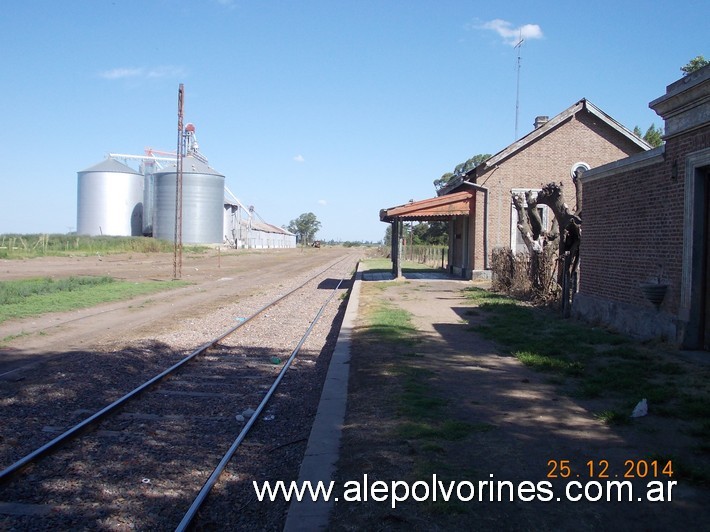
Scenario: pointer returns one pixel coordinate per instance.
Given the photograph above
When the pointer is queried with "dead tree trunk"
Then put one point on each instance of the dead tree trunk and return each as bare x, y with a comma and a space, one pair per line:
524, 225
570, 234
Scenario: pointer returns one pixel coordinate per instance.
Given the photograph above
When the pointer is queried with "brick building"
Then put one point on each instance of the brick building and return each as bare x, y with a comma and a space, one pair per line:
478, 204
646, 228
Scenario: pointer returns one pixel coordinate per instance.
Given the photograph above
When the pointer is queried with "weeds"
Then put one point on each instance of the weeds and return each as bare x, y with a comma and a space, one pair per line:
31, 297
12, 292
13, 246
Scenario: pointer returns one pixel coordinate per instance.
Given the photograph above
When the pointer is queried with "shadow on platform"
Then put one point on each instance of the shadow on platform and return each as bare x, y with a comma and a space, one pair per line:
429, 276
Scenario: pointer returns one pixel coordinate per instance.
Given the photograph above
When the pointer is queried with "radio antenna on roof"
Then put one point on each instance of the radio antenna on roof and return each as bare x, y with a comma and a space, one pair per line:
519, 46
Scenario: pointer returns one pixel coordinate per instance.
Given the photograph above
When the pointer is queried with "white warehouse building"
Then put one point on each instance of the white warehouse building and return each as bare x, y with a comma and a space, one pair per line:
242, 230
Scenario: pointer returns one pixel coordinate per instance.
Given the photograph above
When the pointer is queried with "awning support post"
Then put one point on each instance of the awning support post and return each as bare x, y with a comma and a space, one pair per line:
395, 251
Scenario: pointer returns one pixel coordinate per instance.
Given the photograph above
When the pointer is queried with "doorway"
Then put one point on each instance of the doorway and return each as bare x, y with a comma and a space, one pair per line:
704, 321
695, 283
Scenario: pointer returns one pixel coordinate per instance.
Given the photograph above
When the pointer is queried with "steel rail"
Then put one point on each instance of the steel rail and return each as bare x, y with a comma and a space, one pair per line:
211, 481
52, 445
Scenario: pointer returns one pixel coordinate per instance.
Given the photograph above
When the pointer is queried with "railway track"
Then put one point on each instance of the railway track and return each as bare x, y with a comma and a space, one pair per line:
142, 461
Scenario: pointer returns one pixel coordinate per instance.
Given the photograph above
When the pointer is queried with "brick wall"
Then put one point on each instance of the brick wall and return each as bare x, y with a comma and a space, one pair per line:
633, 228
631, 233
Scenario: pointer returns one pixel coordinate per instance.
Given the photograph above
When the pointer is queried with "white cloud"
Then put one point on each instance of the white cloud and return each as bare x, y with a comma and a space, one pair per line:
513, 35
120, 73
157, 72
322, 202
299, 159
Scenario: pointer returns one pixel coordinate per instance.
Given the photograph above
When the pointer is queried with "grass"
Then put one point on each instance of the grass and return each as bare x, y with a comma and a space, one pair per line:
595, 361
549, 363
15, 246
392, 325
381, 265
613, 417
32, 297
447, 430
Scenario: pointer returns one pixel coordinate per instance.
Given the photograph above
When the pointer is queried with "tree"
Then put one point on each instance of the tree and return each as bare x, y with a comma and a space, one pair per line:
460, 169
443, 181
421, 234
565, 231
305, 227
694, 64
431, 233
653, 136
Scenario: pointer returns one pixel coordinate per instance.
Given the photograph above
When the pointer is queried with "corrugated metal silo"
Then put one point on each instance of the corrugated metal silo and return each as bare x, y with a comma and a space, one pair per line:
109, 200
202, 203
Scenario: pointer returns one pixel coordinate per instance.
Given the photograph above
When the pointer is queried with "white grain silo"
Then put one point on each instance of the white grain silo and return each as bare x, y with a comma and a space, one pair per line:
202, 203
109, 200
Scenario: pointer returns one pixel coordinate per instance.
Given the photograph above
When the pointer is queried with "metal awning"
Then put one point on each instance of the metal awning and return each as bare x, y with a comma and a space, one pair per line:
439, 208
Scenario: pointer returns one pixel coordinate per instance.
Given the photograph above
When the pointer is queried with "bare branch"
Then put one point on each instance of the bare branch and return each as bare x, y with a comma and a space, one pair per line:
552, 195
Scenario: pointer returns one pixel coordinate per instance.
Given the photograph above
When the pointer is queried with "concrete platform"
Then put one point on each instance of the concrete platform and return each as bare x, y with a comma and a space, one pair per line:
323, 448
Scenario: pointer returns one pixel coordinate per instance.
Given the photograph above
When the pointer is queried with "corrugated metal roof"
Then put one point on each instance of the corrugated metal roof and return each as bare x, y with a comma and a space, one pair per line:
111, 165
440, 207
266, 228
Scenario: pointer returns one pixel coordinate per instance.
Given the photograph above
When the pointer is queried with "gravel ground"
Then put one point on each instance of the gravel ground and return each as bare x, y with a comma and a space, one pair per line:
141, 468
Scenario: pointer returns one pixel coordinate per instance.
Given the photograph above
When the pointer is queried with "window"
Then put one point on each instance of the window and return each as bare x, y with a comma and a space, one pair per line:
516, 239
578, 167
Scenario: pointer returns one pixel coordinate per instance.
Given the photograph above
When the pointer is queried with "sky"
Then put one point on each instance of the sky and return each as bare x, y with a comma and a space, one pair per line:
339, 108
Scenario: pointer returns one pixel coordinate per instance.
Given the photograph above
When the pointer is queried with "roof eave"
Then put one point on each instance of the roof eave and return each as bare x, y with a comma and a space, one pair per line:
440, 207
618, 126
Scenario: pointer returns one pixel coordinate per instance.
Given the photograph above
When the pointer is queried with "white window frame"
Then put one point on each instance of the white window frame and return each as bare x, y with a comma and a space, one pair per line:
575, 166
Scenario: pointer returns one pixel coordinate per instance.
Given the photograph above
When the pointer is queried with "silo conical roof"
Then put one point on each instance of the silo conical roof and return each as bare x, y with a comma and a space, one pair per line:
190, 165
111, 165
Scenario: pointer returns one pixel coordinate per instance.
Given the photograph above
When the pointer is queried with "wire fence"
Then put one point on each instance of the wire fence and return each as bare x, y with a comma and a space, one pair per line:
429, 255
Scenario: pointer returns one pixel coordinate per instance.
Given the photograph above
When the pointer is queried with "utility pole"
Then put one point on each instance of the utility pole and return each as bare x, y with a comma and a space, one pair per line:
177, 248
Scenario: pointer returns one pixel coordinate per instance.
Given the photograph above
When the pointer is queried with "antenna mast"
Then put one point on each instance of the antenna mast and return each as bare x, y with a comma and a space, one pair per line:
519, 46
177, 248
